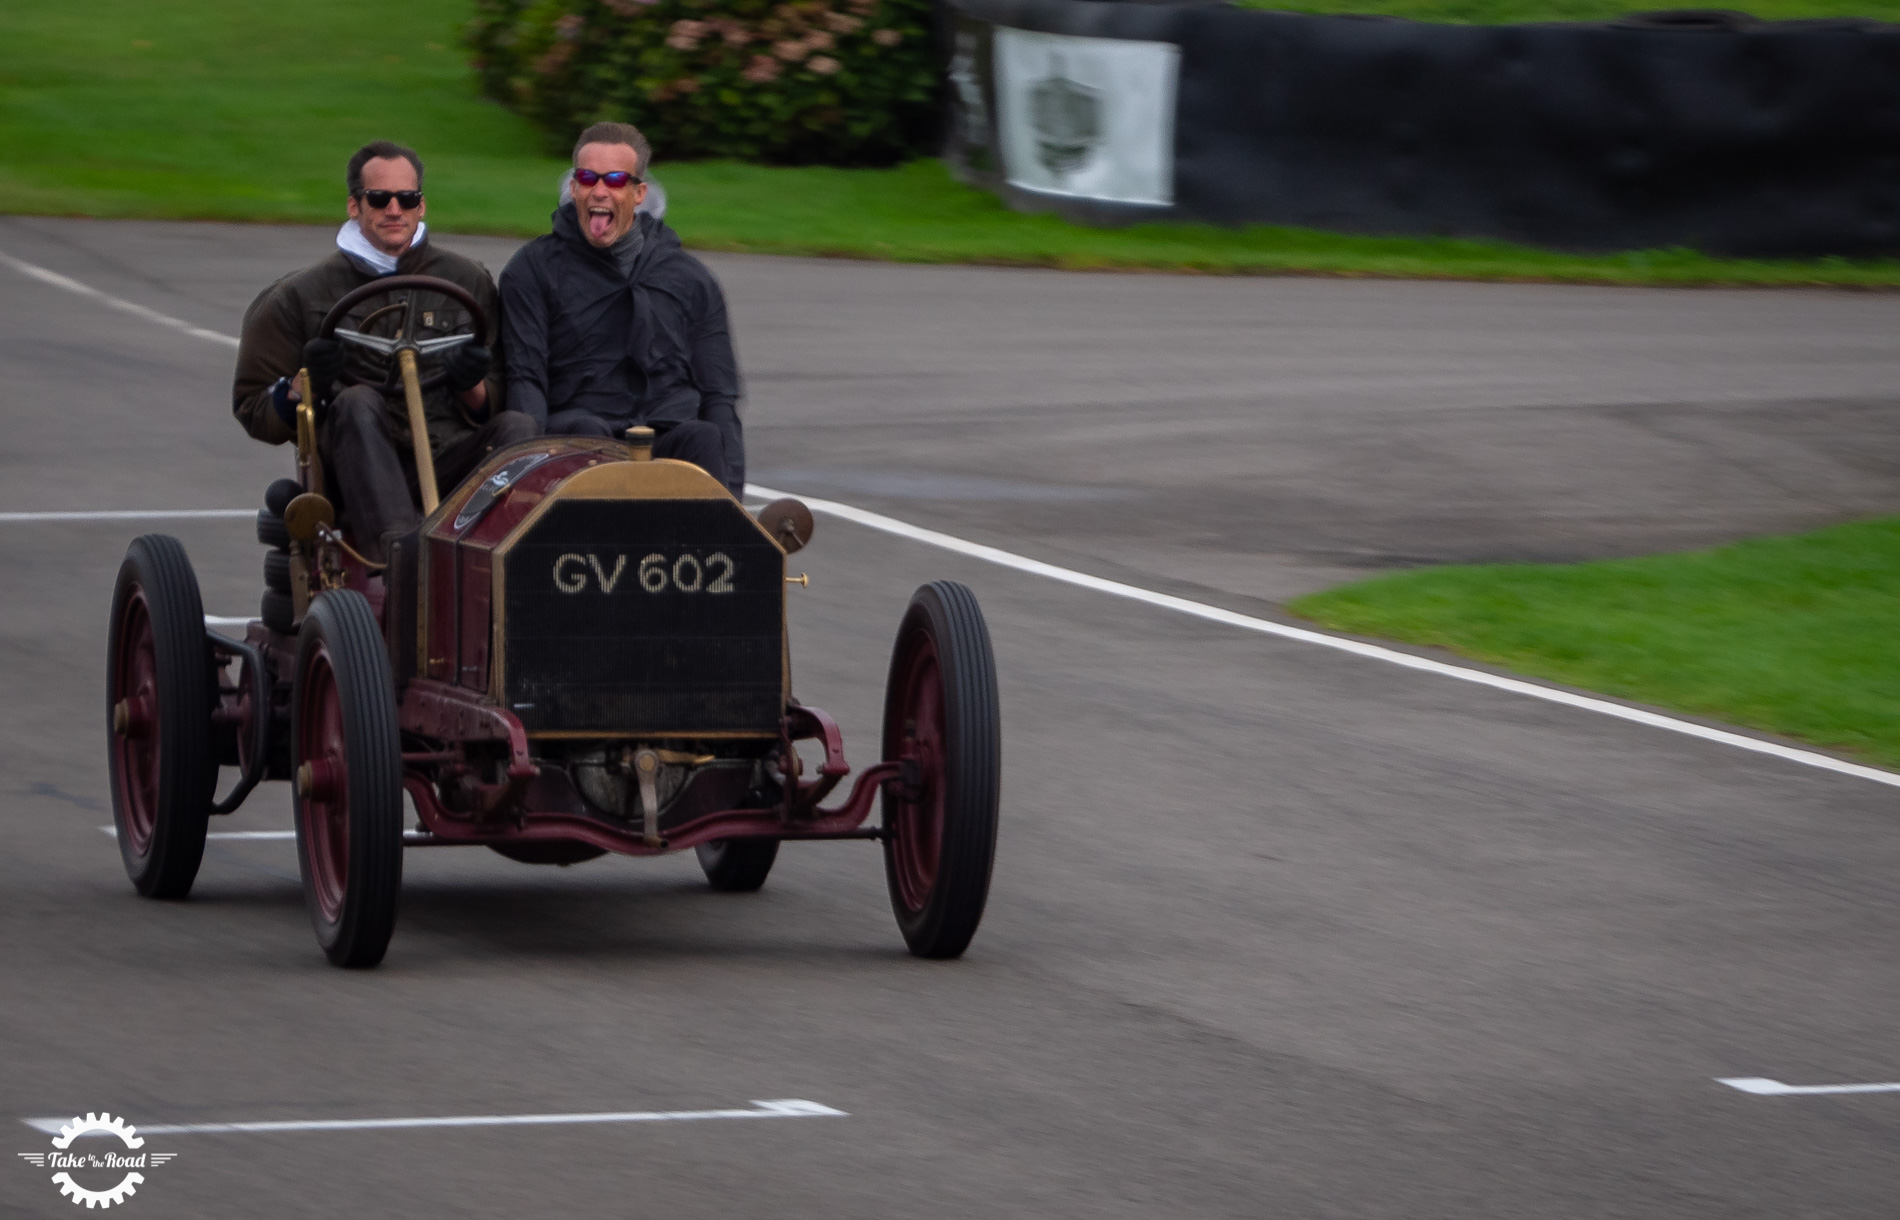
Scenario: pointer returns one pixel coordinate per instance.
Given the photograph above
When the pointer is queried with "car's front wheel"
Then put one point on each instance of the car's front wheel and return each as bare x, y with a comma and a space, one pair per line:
347, 769
940, 817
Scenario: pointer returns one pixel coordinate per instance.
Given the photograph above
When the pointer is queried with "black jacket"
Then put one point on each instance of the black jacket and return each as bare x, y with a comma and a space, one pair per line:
648, 347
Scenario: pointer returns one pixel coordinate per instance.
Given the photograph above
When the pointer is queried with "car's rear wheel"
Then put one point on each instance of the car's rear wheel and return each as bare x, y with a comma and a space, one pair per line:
347, 768
940, 817
737, 866
549, 851
158, 712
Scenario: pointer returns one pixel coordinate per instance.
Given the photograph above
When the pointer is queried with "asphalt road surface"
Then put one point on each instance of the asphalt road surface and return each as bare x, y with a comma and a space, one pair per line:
1275, 931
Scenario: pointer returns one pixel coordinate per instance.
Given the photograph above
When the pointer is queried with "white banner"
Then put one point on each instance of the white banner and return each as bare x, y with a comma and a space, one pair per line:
1089, 117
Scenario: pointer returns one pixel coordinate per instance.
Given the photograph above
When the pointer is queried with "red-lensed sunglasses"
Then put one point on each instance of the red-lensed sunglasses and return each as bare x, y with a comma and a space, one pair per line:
613, 178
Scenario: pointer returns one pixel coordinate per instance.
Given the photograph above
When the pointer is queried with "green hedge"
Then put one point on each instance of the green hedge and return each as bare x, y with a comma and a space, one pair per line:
847, 82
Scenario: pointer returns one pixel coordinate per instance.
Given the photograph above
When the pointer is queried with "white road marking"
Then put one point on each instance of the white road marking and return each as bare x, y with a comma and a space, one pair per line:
790, 1107
1115, 588
57, 280
1763, 1087
224, 834
1390, 656
227, 620
128, 514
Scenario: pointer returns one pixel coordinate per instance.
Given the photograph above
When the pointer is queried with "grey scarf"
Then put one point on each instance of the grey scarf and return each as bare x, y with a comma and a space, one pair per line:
627, 249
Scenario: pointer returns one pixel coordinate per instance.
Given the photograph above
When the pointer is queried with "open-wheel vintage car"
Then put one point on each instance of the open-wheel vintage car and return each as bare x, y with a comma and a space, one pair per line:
580, 650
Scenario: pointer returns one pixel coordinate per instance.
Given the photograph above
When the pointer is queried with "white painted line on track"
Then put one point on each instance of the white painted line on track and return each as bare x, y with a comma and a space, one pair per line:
224, 834
1762, 1087
44, 276
1115, 588
228, 620
1390, 656
790, 1107
129, 514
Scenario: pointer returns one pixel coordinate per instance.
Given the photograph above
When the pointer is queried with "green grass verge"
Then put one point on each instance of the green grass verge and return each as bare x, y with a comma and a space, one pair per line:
233, 110
1495, 12
1798, 635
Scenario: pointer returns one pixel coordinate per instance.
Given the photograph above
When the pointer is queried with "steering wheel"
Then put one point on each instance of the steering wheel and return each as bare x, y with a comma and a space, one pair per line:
406, 335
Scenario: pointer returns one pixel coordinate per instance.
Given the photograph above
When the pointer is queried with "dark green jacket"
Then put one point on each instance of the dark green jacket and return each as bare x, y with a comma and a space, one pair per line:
289, 312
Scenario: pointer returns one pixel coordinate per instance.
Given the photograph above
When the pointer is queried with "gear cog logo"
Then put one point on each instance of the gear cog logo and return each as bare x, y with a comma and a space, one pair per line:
131, 1160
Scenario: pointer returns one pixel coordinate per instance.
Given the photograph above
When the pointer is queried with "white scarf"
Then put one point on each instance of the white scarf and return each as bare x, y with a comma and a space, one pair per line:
351, 241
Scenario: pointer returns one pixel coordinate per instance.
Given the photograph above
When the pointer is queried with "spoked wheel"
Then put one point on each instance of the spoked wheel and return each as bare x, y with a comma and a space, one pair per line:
737, 866
940, 818
250, 722
348, 777
158, 709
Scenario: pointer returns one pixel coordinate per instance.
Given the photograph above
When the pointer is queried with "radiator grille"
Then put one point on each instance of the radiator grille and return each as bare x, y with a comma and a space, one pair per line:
647, 617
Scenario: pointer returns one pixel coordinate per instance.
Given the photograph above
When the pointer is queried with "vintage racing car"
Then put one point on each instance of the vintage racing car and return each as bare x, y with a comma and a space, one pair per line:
580, 650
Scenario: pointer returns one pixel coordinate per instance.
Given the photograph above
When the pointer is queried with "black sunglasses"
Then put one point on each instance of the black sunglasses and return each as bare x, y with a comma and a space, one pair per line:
410, 200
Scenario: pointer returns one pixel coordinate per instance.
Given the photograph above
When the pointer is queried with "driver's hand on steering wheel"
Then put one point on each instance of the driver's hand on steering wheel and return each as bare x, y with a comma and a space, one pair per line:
324, 359
467, 366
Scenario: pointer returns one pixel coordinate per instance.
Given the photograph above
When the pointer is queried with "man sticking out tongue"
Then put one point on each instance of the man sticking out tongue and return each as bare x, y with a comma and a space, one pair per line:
607, 322
610, 212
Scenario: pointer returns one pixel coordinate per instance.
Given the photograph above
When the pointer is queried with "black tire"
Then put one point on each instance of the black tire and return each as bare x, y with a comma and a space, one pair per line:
159, 692
277, 571
562, 852
737, 866
347, 779
940, 821
271, 530
278, 495
278, 612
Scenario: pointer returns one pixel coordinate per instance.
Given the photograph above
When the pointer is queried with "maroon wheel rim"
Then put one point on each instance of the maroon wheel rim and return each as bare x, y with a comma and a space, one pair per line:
135, 752
323, 785
917, 827
245, 715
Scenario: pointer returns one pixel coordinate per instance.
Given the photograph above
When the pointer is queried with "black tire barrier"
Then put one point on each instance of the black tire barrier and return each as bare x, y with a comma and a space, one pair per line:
278, 495
1715, 131
277, 571
278, 612
271, 530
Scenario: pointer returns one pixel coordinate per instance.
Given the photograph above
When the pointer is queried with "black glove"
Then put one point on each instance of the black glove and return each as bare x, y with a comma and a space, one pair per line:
281, 404
324, 359
466, 366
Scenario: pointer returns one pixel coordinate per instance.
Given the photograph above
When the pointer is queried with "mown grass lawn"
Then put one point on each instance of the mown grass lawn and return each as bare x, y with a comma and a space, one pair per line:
234, 110
1798, 635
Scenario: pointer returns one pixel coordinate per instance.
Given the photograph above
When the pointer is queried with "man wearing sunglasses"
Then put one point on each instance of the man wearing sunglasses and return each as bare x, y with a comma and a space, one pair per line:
362, 433
607, 322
